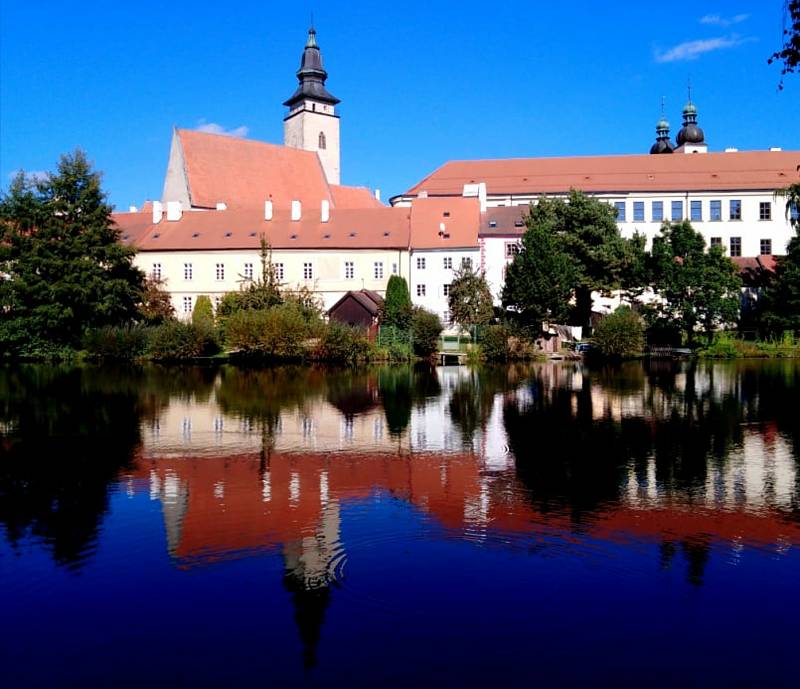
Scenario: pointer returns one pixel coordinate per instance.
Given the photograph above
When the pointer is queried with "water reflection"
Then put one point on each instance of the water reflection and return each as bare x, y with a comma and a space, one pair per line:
699, 460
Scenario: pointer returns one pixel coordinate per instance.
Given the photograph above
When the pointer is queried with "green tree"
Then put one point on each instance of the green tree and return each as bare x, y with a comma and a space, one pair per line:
789, 54
65, 267
203, 313
426, 328
470, 299
540, 279
635, 277
397, 304
156, 305
620, 334
698, 288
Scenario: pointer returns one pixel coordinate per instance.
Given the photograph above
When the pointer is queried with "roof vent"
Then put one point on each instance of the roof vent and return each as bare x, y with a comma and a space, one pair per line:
229, 234
385, 234
252, 234
493, 223
446, 214
326, 236
125, 236
294, 236
518, 223
156, 235
352, 234
195, 235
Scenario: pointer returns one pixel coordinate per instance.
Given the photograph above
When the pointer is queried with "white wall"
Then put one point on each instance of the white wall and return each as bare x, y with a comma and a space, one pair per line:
434, 276
302, 127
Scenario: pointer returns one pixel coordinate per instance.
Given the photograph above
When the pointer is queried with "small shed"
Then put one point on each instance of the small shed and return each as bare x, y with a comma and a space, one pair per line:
359, 308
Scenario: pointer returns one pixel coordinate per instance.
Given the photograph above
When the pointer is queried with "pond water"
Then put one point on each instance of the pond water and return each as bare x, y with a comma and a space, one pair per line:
544, 525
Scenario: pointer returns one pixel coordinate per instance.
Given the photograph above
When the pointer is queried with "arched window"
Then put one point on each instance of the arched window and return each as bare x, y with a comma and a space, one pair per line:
321, 140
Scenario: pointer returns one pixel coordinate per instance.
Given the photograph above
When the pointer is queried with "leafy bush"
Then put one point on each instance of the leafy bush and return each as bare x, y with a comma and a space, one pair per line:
494, 344
177, 340
343, 344
426, 328
620, 334
279, 332
117, 342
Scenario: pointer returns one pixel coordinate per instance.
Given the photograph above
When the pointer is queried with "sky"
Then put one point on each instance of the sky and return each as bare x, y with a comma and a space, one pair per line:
419, 84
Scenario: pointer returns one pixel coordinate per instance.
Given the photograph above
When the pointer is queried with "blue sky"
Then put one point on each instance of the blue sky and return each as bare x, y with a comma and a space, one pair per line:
420, 84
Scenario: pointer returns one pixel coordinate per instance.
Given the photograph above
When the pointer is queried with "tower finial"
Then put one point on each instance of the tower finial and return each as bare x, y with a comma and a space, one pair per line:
689, 87
662, 107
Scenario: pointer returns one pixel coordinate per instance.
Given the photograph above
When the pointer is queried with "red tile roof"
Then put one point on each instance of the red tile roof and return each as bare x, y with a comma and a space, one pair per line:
244, 173
744, 170
503, 221
445, 223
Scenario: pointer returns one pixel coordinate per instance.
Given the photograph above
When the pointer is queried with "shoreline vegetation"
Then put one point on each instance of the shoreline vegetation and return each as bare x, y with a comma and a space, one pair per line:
69, 290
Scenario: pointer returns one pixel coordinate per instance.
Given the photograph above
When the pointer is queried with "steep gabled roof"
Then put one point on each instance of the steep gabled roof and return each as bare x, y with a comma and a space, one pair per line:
687, 172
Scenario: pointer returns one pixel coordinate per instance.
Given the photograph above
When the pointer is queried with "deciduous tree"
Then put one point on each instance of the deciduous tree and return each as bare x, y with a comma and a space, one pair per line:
470, 299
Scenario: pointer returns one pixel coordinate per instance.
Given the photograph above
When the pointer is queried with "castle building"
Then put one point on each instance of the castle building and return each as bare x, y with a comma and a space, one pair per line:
223, 194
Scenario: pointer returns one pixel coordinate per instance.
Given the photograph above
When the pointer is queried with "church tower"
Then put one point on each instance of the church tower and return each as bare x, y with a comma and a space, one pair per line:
312, 123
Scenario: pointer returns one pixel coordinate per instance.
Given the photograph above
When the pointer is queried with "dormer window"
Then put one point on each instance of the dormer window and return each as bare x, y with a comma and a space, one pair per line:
493, 223
322, 141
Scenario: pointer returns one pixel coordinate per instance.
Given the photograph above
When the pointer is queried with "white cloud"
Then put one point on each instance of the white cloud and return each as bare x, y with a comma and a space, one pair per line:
214, 128
691, 50
31, 175
717, 20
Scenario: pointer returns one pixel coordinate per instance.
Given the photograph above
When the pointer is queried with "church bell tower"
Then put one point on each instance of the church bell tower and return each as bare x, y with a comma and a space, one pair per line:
312, 123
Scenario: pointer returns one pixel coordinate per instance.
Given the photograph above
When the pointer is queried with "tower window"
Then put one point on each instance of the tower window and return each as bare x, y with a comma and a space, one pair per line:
322, 142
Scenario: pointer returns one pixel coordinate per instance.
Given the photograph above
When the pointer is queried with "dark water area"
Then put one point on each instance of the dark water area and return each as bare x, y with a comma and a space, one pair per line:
543, 525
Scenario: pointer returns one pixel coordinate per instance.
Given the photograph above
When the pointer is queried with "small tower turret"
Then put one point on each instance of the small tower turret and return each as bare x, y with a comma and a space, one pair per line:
690, 138
662, 144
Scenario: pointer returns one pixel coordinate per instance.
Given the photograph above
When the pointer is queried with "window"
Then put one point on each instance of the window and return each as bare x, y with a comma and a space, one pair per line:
466, 263
696, 210
308, 271
187, 304
677, 211
766, 247
658, 211
638, 211
716, 211
446, 290
278, 271
735, 209
794, 212
420, 290
378, 270
716, 241
219, 272
512, 249
156, 272
394, 269
248, 271
620, 206
322, 142
765, 210
420, 263
217, 302
448, 263
736, 246
187, 271
349, 270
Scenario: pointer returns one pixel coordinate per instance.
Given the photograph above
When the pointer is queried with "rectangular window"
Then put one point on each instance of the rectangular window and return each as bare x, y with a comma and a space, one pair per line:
420, 263
219, 271
735, 209
638, 211
794, 213
217, 302
378, 270
620, 206
716, 211
394, 269
765, 210
512, 249
187, 271
278, 271
448, 263
248, 271
696, 211
308, 271
446, 290
736, 246
349, 270
156, 272
716, 241
677, 211
658, 211
420, 290
466, 263
187, 304
766, 247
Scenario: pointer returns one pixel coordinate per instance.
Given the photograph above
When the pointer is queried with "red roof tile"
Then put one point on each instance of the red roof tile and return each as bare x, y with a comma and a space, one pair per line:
448, 223
678, 172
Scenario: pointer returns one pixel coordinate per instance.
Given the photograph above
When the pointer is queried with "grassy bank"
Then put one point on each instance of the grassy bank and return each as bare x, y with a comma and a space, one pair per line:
729, 346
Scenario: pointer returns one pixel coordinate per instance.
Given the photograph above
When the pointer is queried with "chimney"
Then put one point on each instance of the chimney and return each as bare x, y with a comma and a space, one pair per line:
422, 195
730, 149
131, 209
174, 211
267, 210
377, 194
296, 210
325, 210
158, 212
479, 190
222, 206
775, 149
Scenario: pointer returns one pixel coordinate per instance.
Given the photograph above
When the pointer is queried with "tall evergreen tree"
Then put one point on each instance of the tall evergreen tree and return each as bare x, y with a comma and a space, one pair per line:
397, 304
65, 267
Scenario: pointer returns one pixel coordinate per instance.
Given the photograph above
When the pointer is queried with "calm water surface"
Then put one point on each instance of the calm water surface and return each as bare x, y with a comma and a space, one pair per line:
547, 525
